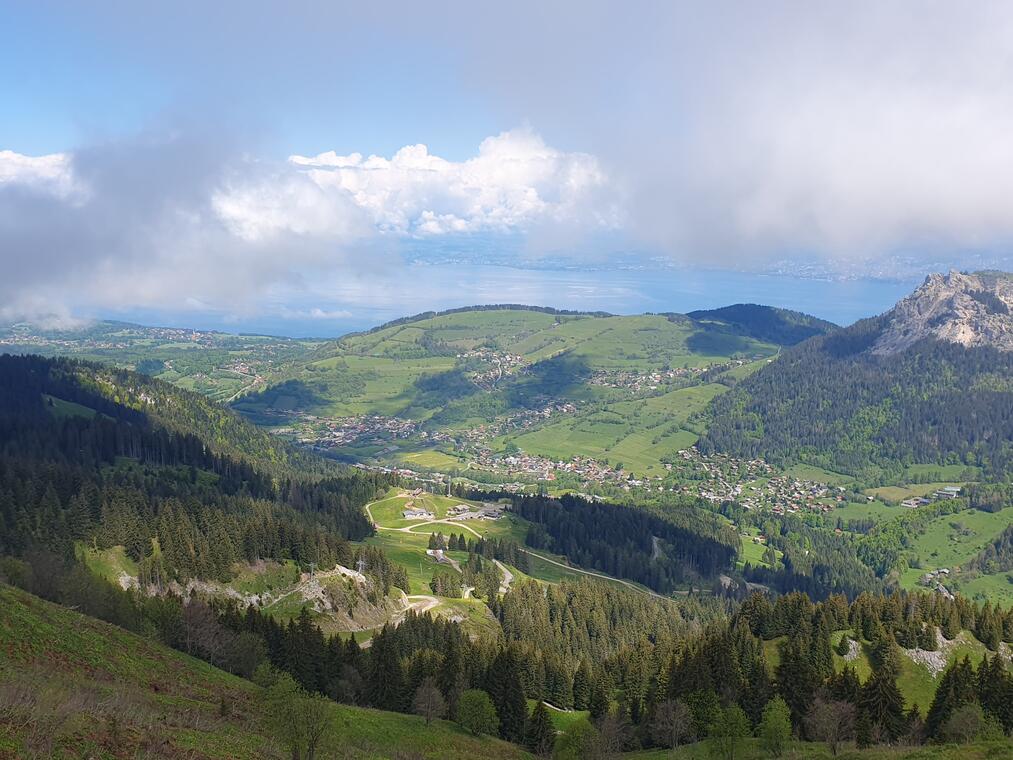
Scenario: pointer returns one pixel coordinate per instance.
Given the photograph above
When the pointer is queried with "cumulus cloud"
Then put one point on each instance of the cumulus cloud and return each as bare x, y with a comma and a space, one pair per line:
173, 223
514, 181
48, 175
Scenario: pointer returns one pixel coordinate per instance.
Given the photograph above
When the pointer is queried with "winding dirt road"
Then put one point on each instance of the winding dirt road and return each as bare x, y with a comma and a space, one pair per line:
628, 584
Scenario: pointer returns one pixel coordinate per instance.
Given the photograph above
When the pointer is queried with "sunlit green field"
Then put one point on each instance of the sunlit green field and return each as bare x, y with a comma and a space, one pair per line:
638, 434
951, 540
381, 371
872, 510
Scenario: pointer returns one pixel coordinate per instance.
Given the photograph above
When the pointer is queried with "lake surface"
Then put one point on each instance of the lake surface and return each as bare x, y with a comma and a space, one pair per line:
337, 306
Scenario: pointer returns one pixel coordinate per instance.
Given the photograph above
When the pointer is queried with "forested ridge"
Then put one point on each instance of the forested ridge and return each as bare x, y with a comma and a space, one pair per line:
661, 548
767, 323
147, 405
107, 473
832, 403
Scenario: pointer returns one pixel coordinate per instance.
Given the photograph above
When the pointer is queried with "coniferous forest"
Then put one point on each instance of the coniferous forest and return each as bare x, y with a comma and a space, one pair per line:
83, 462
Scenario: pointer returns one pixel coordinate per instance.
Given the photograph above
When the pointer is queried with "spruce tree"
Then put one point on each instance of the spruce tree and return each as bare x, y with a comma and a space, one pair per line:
883, 703
540, 735
386, 680
843, 646
582, 686
504, 686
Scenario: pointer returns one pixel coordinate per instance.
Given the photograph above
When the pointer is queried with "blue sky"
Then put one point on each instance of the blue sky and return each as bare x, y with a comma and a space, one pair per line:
73, 73
226, 158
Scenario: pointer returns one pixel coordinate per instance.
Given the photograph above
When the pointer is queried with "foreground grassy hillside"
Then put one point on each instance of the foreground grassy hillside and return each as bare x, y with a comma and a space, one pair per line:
71, 686
751, 750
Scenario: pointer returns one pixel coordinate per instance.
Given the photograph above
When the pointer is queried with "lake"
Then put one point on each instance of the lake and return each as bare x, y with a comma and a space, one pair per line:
335, 306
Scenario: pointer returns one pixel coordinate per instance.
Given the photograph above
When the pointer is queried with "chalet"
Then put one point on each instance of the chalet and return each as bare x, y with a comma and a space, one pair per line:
418, 514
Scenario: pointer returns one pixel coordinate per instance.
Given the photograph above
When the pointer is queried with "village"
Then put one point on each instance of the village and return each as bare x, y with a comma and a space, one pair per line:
25, 335
503, 364
324, 433
520, 420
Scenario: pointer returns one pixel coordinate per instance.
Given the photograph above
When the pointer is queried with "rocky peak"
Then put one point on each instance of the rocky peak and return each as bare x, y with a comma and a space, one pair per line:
968, 309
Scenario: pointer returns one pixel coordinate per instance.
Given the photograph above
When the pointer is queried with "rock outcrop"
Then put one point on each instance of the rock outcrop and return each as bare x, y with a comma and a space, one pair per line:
973, 310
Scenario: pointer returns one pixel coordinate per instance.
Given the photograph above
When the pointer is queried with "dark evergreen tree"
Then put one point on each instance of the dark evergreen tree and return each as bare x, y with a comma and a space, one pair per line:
540, 736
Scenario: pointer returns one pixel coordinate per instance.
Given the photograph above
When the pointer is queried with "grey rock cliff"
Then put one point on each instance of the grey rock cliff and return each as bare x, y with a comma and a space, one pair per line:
971, 310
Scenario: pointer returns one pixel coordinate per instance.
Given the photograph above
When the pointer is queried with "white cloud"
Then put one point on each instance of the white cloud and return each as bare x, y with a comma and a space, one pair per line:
174, 224
314, 313
516, 180
49, 174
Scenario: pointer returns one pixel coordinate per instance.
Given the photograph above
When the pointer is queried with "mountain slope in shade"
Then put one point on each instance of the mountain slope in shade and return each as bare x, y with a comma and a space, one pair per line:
767, 323
971, 310
930, 381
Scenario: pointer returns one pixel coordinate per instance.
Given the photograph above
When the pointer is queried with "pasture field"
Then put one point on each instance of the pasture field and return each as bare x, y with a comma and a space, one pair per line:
264, 576
872, 510
421, 367
994, 587
752, 552
430, 459
561, 719
109, 563
409, 551
639, 434
950, 473
951, 540
811, 472
63, 409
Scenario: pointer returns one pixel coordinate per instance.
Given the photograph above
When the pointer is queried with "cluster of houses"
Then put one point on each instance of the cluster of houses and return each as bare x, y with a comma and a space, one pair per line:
544, 468
417, 513
652, 380
944, 493
488, 511
24, 334
753, 484
519, 420
501, 364
934, 580
328, 432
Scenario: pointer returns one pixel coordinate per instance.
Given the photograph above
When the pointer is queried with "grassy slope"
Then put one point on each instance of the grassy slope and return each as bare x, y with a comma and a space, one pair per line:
638, 434
915, 681
942, 544
808, 751
376, 371
76, 673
